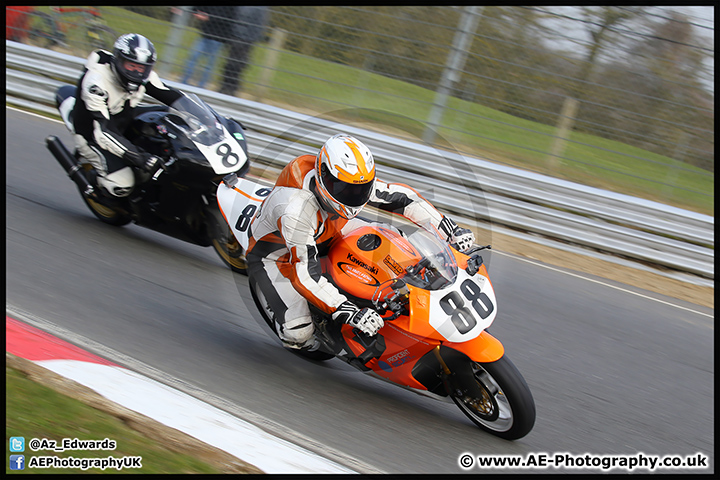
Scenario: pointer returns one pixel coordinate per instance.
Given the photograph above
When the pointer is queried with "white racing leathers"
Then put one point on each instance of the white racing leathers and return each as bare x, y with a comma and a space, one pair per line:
292, 231
103, 109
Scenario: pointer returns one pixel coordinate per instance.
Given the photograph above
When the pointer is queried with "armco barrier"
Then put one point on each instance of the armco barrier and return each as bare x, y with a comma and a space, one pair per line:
472, 189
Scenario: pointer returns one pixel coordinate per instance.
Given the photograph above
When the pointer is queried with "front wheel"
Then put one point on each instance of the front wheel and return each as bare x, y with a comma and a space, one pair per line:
506, 407
229, 250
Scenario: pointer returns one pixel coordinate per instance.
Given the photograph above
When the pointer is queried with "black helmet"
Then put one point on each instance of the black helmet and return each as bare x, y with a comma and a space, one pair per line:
134, 57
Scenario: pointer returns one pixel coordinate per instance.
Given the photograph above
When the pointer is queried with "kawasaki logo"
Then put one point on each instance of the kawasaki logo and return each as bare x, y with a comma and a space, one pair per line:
362, 264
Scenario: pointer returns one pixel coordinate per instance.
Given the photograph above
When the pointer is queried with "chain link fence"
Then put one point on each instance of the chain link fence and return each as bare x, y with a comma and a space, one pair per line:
620, 98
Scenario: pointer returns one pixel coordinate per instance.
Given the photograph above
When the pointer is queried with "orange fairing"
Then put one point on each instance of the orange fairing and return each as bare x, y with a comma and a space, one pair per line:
484, 348
417, 321
361, 261
401, 354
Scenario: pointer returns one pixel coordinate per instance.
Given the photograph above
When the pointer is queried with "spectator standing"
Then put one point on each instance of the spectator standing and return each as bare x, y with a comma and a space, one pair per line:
249, 25
215, 28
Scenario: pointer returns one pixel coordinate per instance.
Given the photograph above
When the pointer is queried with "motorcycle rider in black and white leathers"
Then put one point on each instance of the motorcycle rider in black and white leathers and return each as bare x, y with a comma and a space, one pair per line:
110, 88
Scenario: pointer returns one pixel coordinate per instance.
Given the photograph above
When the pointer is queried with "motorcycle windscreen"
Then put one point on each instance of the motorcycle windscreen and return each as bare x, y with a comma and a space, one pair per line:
437, 267
193, 118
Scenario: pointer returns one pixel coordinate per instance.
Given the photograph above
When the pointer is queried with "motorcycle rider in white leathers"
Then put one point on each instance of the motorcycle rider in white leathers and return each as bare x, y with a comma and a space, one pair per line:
111, 86
315, 198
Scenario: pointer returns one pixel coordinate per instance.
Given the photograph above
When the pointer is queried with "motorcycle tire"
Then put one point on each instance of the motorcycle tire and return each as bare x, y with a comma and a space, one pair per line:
106, 214
507, 408
266, 314
230, 252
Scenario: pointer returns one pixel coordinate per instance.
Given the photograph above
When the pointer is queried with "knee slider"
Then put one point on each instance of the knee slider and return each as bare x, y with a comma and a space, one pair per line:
298, 330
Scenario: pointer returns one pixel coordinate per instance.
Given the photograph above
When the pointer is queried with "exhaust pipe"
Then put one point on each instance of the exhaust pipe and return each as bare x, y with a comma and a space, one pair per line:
71, 166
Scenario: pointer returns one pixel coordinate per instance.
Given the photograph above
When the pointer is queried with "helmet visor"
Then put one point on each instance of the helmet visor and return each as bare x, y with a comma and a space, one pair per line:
350, 194
133, 71
136, 68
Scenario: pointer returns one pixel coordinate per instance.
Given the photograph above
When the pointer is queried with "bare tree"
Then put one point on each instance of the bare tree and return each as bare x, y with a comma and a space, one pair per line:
602, 23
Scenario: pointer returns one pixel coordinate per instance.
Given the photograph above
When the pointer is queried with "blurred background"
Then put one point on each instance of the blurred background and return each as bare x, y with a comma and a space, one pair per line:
620, 98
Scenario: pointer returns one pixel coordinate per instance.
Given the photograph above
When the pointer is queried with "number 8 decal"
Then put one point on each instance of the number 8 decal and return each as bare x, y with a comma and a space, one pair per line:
454, 306
462, 318
480, 302
243, 221
227, 153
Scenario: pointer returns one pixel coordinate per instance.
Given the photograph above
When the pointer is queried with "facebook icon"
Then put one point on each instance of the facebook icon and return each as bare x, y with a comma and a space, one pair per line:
17, 462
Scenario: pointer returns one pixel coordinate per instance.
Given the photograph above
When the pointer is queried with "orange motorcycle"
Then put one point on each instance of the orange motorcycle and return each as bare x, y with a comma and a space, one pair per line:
436, 303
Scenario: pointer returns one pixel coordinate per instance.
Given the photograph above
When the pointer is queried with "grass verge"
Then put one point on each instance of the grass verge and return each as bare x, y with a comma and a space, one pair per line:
34, 410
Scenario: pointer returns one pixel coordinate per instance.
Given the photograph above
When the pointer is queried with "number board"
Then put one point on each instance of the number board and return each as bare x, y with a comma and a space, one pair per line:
226, 156
462, 311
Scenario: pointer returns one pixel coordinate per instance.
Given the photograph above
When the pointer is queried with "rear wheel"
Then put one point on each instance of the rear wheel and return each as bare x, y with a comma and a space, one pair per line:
266, 312
506, 407
106, 214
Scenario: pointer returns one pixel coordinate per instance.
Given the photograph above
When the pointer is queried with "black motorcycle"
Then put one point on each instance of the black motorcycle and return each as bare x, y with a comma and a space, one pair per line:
197, 148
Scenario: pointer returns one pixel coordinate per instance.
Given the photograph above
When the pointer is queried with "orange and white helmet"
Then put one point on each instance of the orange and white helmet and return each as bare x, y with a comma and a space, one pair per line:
345, 172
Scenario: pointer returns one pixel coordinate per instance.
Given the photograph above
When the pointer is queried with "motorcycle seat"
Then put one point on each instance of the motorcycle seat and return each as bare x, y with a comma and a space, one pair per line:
63, 93
65, 102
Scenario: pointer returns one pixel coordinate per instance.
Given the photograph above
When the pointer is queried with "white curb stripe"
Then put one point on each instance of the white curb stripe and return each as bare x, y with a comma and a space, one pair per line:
265, 426
194, 417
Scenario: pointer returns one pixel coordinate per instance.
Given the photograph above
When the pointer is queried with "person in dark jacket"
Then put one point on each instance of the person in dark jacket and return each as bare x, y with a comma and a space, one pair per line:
215, 28
249, 25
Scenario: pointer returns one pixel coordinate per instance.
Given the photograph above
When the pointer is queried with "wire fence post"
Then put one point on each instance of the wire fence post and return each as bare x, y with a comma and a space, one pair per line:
456, 61
180, 20
562, 131
277, 40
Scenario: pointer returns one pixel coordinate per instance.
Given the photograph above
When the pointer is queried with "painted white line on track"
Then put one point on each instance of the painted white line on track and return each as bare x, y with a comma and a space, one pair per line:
603, 283
35, 114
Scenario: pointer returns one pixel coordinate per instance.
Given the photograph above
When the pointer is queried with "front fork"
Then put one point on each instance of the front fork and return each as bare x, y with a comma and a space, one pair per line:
445, 370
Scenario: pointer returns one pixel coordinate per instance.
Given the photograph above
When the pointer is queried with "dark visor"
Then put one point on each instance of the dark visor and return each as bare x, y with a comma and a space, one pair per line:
352, 195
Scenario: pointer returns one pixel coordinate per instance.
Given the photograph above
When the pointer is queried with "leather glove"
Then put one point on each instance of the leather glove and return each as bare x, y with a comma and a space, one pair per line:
144, 161
462, 237
366, 319
151, 164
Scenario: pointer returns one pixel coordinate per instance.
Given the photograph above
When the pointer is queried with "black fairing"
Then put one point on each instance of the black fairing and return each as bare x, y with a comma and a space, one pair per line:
151, 132
181, 202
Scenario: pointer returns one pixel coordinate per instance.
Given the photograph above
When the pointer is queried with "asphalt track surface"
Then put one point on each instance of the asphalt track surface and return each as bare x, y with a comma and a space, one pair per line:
614, 370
